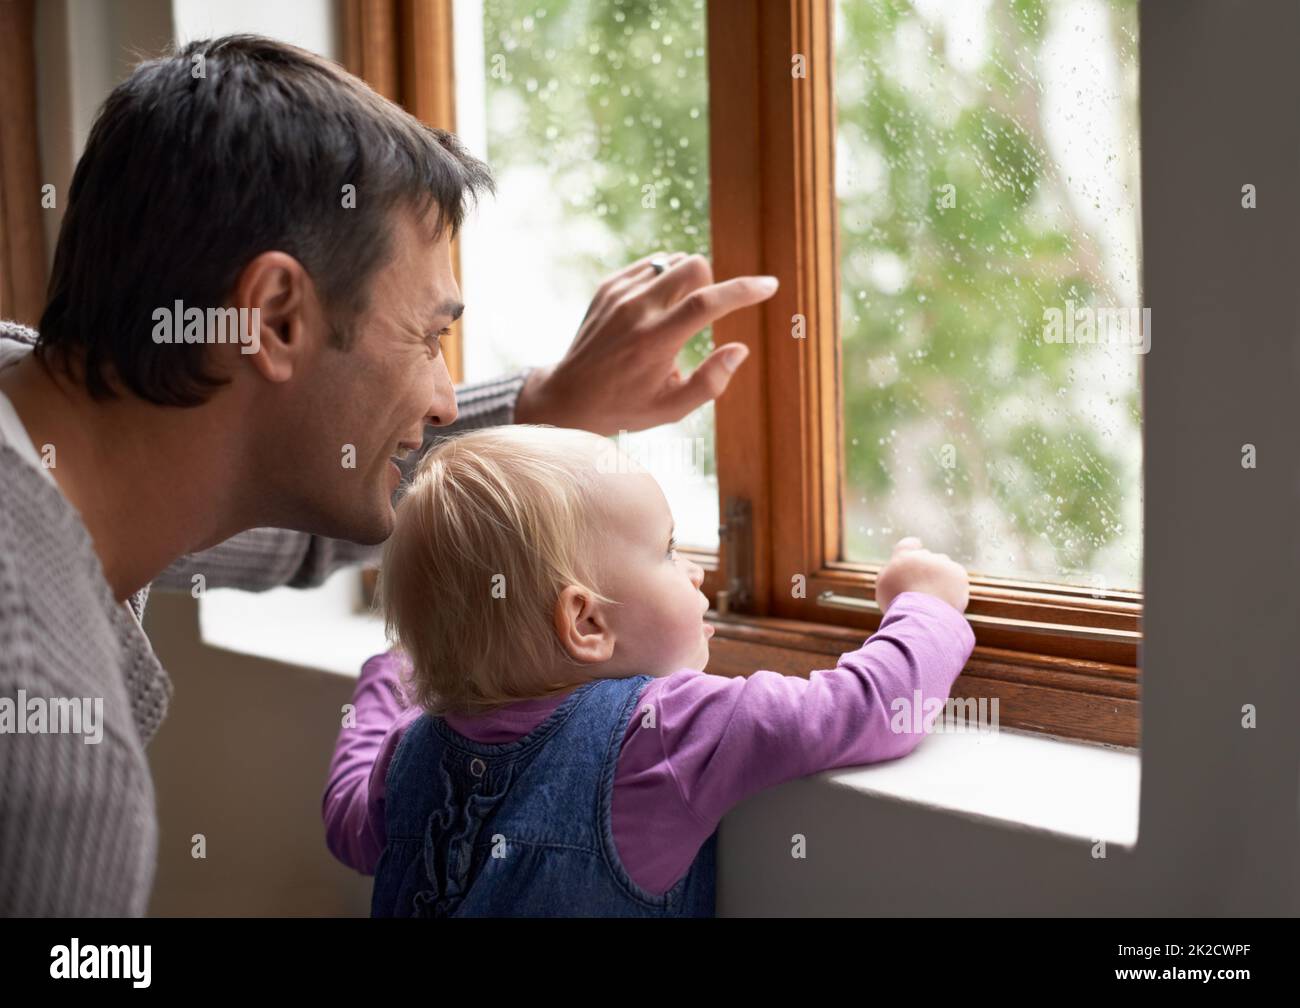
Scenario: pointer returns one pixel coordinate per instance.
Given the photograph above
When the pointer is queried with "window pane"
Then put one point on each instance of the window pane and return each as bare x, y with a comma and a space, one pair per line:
594, 118
987, 178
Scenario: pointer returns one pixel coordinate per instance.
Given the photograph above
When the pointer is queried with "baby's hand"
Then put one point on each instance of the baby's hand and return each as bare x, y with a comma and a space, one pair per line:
913, 568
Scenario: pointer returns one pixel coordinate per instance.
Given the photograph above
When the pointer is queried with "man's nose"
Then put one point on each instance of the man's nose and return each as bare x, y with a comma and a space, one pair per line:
444, 415
443, 410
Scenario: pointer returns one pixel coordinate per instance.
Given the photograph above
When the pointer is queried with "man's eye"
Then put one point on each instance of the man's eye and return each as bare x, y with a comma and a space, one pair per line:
435, 340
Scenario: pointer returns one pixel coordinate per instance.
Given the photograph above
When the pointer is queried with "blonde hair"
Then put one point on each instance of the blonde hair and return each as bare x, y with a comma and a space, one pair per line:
495, 524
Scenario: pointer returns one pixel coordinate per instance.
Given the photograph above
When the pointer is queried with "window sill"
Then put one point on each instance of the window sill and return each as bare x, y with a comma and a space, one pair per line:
329, 629
1028, 782
1064, 760
317, 628
1051, 696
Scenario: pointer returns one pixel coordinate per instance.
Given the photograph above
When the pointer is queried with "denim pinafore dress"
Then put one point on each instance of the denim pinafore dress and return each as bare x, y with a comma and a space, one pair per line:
522, 828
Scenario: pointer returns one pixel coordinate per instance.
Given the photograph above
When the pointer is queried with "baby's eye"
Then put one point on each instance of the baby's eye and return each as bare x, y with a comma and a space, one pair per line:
672, 547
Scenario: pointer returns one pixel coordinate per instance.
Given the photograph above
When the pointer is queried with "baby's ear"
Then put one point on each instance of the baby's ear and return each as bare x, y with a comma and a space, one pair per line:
581, 626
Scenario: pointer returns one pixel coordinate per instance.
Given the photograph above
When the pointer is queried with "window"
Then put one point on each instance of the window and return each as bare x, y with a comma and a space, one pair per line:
987, 177
906, 378
594, 118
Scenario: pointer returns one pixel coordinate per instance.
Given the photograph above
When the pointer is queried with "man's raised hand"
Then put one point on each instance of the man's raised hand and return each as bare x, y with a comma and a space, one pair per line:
621, 371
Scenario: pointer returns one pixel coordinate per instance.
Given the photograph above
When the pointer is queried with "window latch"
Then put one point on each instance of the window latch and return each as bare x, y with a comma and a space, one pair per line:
736, 536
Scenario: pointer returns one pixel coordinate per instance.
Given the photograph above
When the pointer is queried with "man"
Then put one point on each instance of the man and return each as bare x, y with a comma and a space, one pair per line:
136, 447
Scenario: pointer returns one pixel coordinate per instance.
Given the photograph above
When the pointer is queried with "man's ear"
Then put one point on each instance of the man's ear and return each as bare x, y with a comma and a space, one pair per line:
580, 624
277, 286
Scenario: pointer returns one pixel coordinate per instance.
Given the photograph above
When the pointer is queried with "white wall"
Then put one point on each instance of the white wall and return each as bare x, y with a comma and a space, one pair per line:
241, 759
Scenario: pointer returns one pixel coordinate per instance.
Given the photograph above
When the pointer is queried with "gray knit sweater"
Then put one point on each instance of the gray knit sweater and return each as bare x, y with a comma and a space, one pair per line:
78, 831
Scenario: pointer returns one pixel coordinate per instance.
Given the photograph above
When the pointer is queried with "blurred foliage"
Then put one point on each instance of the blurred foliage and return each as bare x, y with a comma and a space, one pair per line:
610, 97
616, 93
953, 354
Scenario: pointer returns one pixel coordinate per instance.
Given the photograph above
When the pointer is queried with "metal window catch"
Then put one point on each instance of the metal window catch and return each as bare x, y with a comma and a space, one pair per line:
737, 539
834, 600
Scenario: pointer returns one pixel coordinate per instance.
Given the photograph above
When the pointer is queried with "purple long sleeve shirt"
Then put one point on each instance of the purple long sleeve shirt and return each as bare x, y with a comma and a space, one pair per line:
719, 739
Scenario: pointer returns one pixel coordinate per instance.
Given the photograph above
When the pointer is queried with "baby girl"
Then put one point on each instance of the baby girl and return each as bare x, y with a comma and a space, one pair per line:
545, 740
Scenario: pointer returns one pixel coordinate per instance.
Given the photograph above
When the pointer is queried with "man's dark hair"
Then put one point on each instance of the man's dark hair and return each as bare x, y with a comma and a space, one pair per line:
186, 178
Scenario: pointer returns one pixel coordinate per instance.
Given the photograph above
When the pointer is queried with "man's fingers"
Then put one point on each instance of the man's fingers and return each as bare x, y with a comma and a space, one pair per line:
633, 269
705, 305
701, 306
645, 275
685, 276
615, 286
706, 383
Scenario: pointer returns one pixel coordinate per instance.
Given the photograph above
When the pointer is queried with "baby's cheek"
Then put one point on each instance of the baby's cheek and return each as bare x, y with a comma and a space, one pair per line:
687, 625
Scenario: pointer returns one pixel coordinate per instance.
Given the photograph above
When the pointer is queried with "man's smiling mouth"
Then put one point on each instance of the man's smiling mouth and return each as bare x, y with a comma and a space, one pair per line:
403, 452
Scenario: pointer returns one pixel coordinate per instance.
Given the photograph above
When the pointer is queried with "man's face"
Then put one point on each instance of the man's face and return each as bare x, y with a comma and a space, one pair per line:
370, 403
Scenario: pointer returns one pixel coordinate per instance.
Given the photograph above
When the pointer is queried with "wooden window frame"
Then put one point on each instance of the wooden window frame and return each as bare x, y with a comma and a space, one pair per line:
22, 229
779, 426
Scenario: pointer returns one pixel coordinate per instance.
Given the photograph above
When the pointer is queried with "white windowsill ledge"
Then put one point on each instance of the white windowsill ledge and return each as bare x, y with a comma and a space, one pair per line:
1023, 781
317, 628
